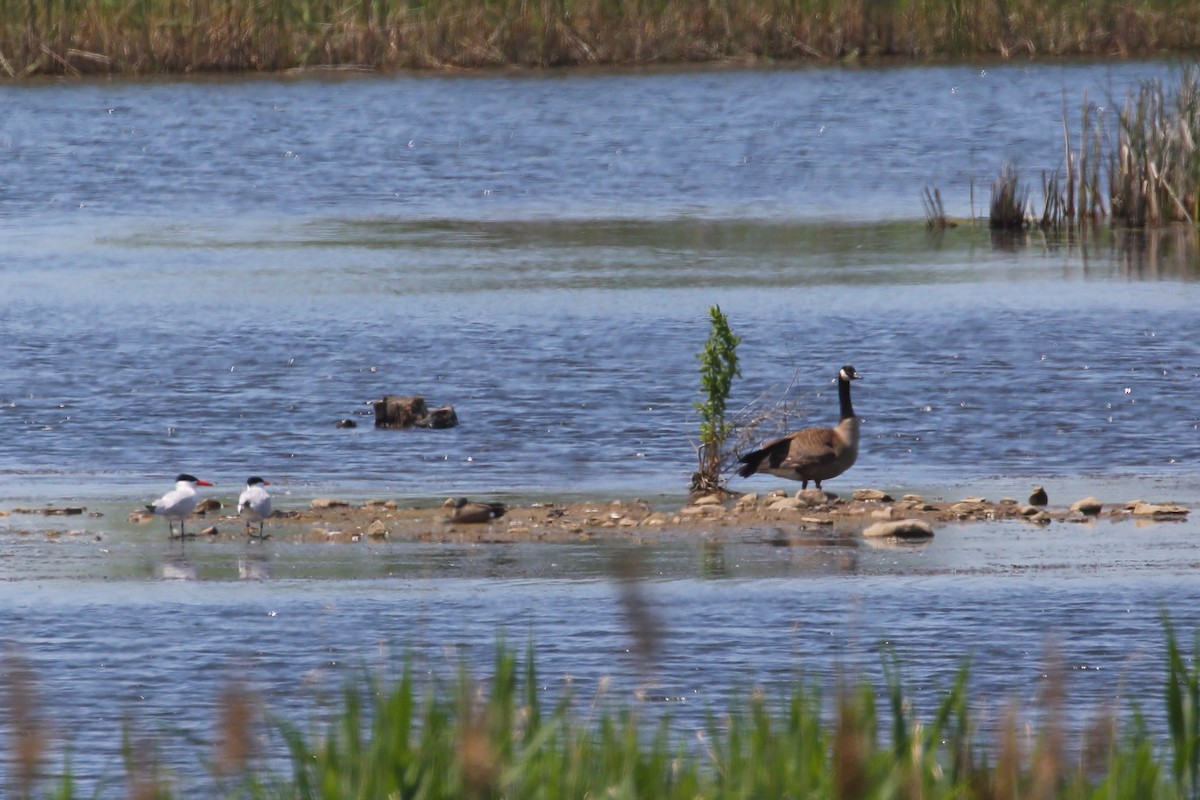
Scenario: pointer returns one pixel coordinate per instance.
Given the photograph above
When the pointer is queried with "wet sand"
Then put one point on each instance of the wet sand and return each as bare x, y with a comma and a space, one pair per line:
865, 512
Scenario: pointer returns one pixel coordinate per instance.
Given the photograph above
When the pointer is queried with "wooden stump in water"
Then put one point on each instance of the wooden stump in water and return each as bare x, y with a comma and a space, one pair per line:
442, 417
411, 412
399, 412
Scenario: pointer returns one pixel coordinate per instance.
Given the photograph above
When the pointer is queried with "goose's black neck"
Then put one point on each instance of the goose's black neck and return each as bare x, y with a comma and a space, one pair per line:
844, 397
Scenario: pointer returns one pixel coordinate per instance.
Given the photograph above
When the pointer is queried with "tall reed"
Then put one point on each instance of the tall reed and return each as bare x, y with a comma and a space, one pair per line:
1152, 171
1010, 201
1156, 167
157, 36
935, 211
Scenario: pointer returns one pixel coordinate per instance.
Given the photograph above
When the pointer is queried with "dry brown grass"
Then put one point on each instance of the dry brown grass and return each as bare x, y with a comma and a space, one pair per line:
175, 36
27, 746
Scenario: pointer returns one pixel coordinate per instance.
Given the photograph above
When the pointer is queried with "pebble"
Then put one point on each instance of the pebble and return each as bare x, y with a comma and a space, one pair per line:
901, 528
377, 530
1088, 505
327, 502
747, 501
702, 511
873, 495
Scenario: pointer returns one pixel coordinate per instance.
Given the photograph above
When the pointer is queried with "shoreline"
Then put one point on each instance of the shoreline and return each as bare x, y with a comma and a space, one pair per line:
350, 72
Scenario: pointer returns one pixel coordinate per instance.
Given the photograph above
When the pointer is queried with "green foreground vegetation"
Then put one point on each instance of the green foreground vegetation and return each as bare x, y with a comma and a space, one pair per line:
179, 36
394, 740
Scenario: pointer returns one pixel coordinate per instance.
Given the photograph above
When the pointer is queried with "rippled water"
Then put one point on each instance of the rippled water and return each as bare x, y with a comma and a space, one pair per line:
159, 637
206, 276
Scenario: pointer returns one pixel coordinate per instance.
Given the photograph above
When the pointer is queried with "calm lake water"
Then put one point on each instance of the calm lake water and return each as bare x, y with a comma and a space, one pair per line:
205, 276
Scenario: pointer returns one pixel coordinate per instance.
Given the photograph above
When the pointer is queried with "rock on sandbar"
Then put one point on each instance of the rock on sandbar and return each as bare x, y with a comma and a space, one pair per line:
328, 502
900, 528
1158, 511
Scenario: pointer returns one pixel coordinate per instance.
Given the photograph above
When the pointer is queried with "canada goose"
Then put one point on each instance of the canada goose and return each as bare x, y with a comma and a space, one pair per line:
254, 504
811, 454
178, 503
465, 510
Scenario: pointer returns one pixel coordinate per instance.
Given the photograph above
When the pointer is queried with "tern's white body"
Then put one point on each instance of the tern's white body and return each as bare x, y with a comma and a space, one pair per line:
179, 502
254, 503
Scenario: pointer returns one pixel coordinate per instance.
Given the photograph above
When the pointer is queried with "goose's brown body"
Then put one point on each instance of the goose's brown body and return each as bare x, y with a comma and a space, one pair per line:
811, 454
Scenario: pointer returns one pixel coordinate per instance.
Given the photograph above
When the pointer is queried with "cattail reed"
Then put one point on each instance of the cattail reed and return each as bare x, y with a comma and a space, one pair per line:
1010, 199
935, 211
236, 734
1156, 166
1152, 170
27, 746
